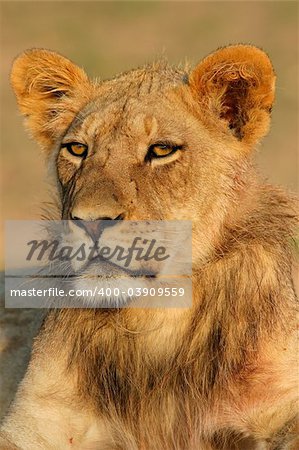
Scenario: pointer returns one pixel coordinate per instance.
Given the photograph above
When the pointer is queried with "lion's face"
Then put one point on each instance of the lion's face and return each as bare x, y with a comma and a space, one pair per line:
152, 144
144, 158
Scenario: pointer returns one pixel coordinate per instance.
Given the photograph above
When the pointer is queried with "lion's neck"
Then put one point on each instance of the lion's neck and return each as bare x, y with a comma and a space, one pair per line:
236, 304
136, 363
114, 355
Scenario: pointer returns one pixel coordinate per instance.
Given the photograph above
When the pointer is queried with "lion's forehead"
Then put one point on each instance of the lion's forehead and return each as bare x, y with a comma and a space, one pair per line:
128, 102
138, 84
147, 79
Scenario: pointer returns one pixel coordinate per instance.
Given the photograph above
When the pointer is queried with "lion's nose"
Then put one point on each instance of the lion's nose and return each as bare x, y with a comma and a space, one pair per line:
95, 227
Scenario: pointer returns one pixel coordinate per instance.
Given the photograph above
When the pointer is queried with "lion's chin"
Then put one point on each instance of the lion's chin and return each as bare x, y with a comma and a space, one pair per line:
108, 291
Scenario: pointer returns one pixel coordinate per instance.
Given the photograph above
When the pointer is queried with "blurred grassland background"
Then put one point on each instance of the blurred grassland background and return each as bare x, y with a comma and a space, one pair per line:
109, 37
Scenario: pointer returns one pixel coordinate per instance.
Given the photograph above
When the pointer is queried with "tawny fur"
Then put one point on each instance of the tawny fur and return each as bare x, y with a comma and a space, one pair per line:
220, 375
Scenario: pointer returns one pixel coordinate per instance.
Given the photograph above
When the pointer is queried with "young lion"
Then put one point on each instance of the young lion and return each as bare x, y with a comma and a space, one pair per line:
159, 143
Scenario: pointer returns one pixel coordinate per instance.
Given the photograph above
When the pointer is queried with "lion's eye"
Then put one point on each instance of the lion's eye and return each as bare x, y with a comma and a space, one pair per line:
161, 150
76, 149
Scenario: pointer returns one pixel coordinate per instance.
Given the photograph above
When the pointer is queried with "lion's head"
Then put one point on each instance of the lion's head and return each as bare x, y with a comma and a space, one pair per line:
155, 143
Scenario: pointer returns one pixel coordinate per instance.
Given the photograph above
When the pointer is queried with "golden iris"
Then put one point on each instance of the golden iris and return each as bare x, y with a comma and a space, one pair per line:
160, 151
76, 149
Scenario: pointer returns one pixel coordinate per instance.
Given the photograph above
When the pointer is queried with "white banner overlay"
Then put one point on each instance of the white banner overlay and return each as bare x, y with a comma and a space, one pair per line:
100, 264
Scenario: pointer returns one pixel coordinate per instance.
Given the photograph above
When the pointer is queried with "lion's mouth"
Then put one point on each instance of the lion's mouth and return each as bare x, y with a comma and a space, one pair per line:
100, 267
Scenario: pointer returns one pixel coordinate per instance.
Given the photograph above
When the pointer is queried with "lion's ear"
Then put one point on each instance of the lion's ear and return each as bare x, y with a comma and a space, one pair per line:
50, 90
237, 84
